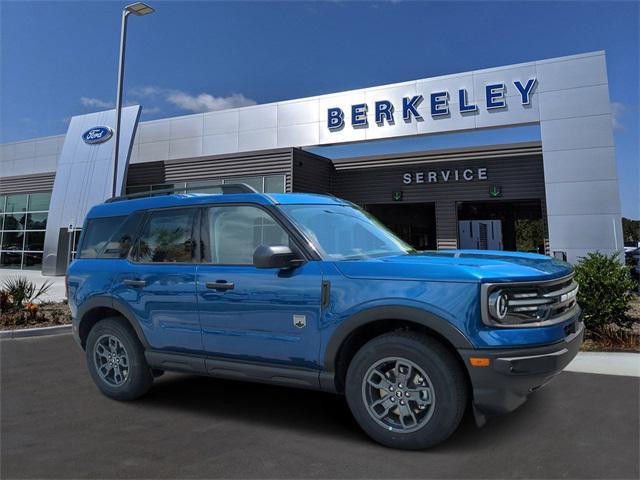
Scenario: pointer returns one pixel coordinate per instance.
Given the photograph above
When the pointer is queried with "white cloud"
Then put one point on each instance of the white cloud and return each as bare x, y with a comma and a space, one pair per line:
146, 91
205, 102
617, 110
95, 103
150, 95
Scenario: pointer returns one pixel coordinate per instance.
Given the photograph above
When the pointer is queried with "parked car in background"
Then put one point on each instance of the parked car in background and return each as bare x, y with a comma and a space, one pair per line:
311, 291
632, 259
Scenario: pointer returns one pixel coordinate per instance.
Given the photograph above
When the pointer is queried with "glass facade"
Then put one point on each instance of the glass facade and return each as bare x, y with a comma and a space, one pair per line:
264, 184
23, 221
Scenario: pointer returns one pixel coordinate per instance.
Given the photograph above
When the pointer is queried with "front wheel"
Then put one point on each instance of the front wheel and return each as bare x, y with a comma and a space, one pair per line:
406, 390
116, 360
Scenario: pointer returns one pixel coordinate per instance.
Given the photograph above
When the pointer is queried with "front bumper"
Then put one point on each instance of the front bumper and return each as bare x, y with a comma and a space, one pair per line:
76, 332
512, 374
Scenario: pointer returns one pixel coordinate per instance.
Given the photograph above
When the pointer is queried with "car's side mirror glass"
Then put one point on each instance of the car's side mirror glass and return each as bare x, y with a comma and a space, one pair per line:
278, 256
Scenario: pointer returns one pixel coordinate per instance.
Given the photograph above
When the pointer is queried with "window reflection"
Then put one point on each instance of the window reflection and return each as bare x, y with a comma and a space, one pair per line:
166, 237
235, 232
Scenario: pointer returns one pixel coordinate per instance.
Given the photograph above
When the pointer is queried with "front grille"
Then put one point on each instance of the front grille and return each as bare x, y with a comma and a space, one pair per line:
542, 303
533, 303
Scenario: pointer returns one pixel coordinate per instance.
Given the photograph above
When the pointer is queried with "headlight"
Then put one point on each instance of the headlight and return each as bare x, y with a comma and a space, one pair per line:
498, 304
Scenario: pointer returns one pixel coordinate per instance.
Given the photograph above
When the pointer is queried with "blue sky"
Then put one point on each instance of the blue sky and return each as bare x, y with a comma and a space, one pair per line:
59, 58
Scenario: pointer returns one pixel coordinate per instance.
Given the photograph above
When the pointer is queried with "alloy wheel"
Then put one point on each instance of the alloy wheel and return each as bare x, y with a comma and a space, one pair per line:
398, 394
111, 360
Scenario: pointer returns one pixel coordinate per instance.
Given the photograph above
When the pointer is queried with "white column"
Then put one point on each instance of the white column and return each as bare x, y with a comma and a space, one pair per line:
581, 183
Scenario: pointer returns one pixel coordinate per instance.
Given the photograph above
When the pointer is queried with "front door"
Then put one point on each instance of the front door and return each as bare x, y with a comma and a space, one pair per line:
159, 283
251, 314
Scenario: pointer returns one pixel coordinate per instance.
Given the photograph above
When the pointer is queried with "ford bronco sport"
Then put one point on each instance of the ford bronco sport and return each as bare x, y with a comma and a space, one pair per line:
310, 291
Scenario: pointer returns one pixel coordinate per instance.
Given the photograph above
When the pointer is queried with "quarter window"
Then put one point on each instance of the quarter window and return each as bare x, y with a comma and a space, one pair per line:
97, 235
120, 242
235, 232
168, 237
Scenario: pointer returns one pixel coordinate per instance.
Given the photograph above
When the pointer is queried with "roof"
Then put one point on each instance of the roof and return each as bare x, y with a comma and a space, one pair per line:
125, 207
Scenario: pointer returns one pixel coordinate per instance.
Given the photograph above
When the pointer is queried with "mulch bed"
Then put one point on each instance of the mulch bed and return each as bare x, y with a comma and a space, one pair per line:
49, 314
634, 309
628, 342
617, 339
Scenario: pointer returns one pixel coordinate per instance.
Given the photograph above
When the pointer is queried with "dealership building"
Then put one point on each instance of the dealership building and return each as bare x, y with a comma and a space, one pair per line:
558, 195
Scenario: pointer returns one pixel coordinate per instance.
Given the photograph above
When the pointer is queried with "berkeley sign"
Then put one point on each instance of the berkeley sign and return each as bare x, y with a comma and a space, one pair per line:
384, 110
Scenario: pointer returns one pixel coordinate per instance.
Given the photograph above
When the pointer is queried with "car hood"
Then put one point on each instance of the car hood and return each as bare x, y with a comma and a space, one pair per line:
458, 266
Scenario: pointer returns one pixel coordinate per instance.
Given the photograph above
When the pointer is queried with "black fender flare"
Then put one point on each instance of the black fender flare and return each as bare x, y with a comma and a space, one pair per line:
399, 312
105, 301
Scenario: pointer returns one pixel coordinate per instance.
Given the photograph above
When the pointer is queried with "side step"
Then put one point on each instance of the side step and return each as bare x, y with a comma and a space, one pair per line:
234, 370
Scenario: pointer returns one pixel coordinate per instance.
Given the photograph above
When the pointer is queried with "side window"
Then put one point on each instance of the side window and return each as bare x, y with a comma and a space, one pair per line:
122, 239
97, 234
236, 231
167, 237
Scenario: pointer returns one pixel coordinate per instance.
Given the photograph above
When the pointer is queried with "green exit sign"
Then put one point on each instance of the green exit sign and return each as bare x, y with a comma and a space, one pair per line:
396, 196
495, 191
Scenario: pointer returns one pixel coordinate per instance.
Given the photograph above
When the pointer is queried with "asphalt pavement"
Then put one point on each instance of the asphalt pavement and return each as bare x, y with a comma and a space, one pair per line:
55, 424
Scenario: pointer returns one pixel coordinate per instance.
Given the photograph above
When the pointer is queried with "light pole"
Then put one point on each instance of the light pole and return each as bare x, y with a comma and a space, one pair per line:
139, 9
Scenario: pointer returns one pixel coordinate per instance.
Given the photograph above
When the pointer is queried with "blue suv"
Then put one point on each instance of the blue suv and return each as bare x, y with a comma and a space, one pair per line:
311, 291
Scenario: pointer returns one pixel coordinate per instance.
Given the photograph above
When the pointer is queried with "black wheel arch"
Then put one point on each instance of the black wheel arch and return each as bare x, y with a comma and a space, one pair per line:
376, 321
102, 306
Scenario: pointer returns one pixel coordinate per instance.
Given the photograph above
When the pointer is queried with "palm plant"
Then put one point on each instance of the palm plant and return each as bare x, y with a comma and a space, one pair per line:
21, 291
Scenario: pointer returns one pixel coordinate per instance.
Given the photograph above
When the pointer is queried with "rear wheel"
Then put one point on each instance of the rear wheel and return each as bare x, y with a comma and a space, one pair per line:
115, 359
406, 390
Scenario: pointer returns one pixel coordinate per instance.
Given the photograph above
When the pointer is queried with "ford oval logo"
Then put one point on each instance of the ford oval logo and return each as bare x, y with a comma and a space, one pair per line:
97, 135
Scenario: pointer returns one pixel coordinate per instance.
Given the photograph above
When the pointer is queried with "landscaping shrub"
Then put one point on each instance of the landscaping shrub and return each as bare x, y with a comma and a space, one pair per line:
18, 307
605, 290
21, 293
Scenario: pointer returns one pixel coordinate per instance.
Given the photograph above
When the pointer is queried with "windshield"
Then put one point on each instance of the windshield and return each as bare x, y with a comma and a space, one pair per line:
340, 232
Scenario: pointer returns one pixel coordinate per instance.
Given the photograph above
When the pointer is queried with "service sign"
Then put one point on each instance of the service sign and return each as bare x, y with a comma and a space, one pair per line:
438, 104
97, 135
445, 175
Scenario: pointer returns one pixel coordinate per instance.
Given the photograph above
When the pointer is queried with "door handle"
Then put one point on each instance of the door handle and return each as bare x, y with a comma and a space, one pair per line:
220, 285
134, 283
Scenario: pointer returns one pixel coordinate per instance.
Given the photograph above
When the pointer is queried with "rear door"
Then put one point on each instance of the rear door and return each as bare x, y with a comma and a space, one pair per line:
158, 282
252, 314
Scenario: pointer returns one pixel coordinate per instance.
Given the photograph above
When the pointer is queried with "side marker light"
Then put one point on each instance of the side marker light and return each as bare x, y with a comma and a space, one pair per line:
479, 361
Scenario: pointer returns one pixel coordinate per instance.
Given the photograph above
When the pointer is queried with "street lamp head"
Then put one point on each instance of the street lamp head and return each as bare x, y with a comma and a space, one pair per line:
139, 9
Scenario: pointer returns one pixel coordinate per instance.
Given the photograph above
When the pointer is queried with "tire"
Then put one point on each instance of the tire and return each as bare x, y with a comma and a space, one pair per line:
435, 384
135, 376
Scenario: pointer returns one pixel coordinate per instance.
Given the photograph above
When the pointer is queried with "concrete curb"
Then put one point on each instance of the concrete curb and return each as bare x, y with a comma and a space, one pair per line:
35, 332
607, 363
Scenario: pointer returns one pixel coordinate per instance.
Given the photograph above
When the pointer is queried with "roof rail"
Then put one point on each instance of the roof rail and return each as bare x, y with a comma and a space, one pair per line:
225, 188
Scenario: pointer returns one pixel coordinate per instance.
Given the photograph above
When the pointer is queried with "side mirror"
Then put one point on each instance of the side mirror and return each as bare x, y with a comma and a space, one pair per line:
279, 256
